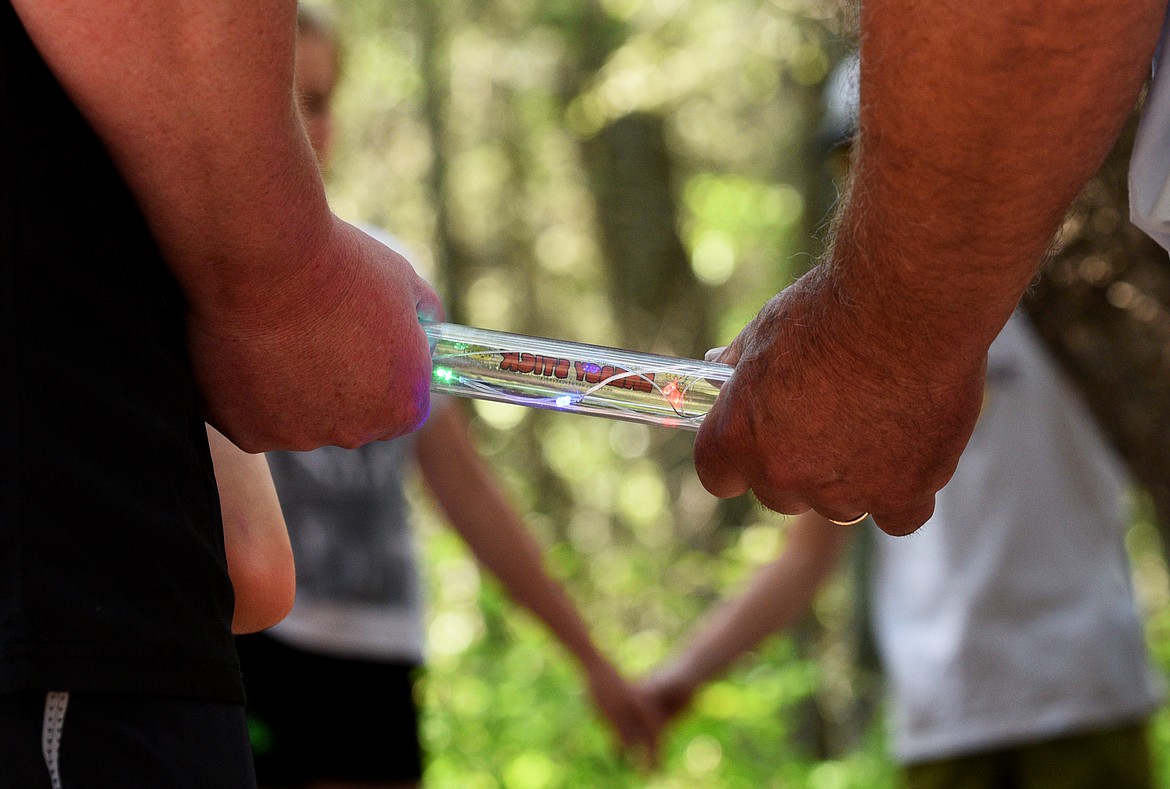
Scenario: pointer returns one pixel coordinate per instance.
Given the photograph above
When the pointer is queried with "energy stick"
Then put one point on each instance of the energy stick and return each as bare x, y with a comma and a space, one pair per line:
567, 376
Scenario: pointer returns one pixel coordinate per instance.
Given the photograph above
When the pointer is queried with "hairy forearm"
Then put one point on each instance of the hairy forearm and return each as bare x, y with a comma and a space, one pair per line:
978, 127
857, 387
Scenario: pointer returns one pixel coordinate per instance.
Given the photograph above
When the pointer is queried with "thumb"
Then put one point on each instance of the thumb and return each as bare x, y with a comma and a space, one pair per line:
727, 354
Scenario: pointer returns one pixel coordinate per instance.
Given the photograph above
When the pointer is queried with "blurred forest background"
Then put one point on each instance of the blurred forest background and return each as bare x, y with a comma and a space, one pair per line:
645, 174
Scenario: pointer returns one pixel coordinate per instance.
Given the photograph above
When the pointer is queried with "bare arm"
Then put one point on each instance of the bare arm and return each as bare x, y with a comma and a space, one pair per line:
468, 493
303, 331
857, 388
778, 597
259, 555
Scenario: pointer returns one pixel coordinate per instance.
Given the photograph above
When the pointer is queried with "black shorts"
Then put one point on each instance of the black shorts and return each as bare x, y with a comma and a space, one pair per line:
116, 741
318, 718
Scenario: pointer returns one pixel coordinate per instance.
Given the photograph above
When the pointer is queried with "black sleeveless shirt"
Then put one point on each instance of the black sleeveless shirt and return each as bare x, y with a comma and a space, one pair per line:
112, 568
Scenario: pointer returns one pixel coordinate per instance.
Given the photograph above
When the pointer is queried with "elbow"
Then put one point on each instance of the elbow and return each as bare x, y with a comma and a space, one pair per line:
264, 592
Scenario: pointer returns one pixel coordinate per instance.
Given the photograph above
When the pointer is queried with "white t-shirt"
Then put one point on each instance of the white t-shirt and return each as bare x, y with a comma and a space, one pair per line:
1009, 616
1149, 171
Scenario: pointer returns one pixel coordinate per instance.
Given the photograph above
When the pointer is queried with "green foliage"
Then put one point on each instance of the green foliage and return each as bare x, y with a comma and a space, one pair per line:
506, 708
493, 99
460, 130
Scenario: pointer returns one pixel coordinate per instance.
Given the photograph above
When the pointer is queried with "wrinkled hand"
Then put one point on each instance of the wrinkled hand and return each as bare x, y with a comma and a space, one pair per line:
330, 354
828, 411
629, 714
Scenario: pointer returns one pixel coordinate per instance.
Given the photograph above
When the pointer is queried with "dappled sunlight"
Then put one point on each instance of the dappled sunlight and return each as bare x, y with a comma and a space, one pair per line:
473, 131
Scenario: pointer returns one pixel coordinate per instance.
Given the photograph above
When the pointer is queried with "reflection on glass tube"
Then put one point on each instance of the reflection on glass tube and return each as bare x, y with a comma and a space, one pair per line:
574, 377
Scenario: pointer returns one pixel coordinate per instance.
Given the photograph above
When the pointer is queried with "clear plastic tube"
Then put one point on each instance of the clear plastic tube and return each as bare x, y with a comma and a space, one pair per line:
574, 377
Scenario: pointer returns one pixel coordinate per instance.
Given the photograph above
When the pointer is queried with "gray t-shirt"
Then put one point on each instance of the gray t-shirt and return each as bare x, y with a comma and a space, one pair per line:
358, 587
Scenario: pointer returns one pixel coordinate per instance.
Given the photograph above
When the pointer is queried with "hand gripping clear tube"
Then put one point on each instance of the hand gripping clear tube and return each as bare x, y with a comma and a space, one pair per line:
574, 377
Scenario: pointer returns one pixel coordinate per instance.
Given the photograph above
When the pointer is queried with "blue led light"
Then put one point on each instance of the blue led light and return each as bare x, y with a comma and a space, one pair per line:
564, 401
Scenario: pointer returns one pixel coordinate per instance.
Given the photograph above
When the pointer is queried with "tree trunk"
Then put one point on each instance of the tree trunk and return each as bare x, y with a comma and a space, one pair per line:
658, 303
